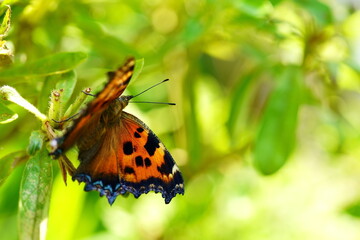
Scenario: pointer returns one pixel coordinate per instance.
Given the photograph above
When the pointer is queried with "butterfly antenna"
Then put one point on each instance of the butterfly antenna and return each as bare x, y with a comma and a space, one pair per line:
167, 103
150, 87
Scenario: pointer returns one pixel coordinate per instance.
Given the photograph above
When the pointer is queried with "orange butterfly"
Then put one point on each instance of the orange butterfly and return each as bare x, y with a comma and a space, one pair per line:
118, 153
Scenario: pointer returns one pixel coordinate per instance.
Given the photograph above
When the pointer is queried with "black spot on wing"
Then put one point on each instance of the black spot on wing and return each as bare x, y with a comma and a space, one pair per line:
139, 161
137, 135
167, 166
129, 170
128, 148
140, 129
151, 144
111, 75
147, 162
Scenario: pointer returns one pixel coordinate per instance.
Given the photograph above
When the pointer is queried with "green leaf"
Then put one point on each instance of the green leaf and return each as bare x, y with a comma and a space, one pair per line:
254, 8
238, 104
36, 142
139, 64
5, 25
6, 115
35, 195
75, 105
66, 85
9, 162
53, 64
103, 42
353, 209
65, 81
10, 94
8, 2
275, 2
320, 11
276, 138
192, 31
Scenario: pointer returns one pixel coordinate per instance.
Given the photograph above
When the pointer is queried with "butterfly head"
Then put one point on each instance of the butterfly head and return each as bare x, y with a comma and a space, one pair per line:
124, 100
54, 143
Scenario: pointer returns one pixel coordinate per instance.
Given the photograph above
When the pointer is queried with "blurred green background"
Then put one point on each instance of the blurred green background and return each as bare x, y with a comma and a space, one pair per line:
265, 130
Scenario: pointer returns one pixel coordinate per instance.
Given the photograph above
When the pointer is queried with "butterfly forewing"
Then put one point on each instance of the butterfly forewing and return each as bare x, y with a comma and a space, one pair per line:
90, 116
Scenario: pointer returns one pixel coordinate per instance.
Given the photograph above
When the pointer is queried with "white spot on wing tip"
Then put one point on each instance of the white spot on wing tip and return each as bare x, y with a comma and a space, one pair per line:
175, 169
162, 145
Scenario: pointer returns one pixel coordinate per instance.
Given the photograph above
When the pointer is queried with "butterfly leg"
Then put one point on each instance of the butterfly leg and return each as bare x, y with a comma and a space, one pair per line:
66, 167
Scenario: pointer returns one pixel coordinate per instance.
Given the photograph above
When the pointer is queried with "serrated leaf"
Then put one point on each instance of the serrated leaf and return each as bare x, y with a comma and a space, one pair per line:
9, 162
276, 138
5, 25
6, 115
54, 64
36, 142
35, 195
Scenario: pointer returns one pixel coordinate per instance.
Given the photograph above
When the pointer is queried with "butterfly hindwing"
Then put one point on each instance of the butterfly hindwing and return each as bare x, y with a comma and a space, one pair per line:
147, 165
143, 163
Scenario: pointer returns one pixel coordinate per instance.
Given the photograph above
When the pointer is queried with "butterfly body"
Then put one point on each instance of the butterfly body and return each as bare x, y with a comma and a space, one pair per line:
118, 153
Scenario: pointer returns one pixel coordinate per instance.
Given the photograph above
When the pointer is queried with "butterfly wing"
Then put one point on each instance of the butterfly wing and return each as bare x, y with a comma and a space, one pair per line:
130, 158
90, 116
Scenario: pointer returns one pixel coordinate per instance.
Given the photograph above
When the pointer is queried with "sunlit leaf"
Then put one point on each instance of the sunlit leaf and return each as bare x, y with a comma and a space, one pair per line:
6, 115
9, 2
58, 81
10, 94
5, 25
193, 30
353, 64
253, 8
66, 83
238, 98
36, 142
75, 105
103, 42
139, 64
275, 140
276, 2
9, 162
35, 195
193, 135
319, 10
53, 64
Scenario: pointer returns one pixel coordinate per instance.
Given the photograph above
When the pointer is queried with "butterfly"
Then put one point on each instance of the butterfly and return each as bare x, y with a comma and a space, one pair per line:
118, 153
